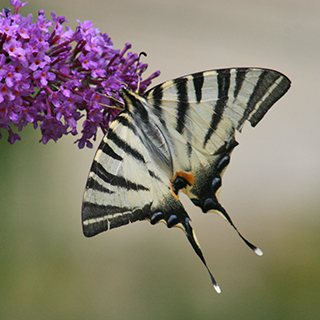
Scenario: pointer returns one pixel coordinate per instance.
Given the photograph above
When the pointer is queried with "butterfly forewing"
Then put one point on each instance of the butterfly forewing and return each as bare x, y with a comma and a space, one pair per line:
178, 136
116, 177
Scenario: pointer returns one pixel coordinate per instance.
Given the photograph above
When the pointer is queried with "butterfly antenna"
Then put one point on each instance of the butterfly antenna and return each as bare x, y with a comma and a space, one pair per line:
142, 53
117, 101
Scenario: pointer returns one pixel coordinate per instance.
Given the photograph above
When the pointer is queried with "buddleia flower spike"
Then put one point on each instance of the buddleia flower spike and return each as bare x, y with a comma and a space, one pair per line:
51, 76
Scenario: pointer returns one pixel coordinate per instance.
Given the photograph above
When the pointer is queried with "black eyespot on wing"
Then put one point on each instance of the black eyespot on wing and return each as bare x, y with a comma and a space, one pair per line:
178, 184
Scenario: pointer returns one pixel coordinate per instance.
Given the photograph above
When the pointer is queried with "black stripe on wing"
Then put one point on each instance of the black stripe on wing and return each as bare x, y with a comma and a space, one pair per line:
281, 88
105, 148
134, 105
223, 89
95, 210
98, 218
95, 185
198, 81
124, 146
153, 175
266, 81
183, 105
240, 77
114, 180
122, 118
157, 98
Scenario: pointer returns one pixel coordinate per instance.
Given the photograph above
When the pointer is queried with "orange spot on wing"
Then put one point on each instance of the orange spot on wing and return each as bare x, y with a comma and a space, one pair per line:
188, 176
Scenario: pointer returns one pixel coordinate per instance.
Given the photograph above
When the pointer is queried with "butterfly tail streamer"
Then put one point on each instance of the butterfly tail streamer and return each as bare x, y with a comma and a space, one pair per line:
173, 214
225, 215
196, 247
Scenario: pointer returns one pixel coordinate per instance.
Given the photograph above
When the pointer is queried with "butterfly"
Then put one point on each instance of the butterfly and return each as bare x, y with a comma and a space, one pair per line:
179, 135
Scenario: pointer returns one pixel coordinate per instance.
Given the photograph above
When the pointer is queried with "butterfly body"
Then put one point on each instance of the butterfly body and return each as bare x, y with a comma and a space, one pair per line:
177, 136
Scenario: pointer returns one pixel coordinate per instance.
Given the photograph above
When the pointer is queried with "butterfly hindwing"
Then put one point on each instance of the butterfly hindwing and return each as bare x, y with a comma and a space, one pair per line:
178, 136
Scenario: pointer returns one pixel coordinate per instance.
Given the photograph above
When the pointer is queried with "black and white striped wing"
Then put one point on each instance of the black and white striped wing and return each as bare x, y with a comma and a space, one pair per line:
178, 136
201, 112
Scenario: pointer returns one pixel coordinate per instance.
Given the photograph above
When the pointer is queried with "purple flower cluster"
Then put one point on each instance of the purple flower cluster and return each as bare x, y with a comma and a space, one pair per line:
51, 76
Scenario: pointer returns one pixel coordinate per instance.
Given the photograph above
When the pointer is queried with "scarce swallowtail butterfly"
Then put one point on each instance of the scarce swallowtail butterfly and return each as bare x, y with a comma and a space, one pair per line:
177, 136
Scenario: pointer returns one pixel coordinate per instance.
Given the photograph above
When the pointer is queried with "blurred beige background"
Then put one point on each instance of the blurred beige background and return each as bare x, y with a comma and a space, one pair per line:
49, 270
